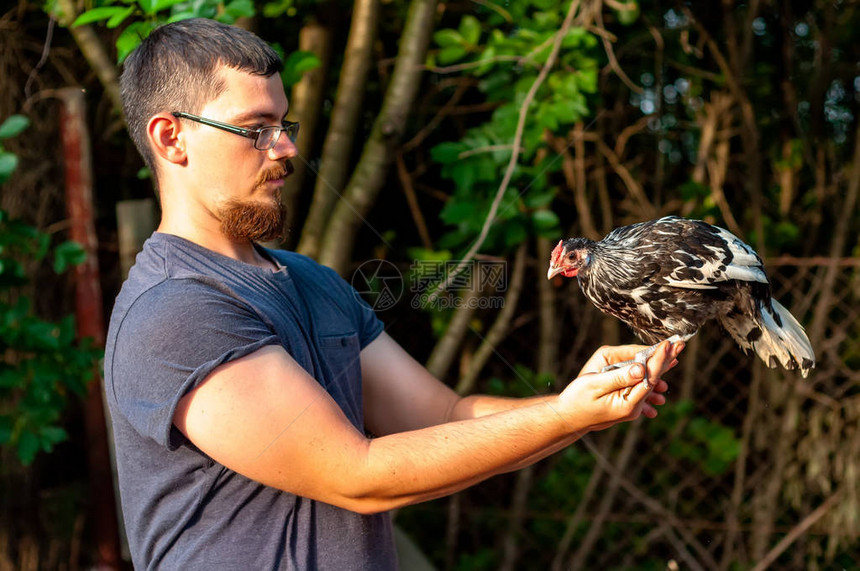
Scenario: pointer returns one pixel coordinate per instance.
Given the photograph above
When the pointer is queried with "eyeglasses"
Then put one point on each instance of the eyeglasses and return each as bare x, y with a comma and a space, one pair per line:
265, 138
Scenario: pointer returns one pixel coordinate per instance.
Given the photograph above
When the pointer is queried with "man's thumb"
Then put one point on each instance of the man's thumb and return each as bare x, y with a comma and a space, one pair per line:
636, 372
630, 375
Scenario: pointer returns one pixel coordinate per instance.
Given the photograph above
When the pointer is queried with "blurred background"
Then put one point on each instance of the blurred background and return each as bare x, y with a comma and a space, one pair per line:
457, 142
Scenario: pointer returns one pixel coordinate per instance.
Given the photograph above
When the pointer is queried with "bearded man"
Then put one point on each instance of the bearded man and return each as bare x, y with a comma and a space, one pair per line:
243, 382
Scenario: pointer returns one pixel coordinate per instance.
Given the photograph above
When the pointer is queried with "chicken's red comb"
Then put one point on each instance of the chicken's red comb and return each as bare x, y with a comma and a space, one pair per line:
557, 252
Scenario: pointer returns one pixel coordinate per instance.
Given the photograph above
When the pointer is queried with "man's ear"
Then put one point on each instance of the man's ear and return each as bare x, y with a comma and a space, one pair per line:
166, 136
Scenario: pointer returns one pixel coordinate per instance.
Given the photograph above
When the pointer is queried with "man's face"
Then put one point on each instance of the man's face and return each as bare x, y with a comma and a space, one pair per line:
238, 185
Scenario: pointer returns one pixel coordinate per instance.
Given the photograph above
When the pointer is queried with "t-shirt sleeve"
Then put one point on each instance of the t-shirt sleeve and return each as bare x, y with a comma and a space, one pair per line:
169, 340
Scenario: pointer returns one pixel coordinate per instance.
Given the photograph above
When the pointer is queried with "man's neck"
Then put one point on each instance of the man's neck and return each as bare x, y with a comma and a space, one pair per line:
241, 250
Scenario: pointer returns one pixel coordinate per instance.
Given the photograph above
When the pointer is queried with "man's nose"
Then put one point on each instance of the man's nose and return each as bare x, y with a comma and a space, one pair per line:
284, 148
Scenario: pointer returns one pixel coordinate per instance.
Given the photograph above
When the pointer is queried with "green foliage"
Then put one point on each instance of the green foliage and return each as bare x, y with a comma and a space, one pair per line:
41, 363
482, 559
297, 63
505, 51
706, 443
11, 127
146, 15
525, 383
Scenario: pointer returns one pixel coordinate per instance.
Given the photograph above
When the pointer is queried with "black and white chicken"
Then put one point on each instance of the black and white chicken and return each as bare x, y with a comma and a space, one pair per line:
665, 278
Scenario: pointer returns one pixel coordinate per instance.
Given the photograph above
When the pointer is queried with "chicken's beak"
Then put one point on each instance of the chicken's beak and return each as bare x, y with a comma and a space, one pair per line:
553, 271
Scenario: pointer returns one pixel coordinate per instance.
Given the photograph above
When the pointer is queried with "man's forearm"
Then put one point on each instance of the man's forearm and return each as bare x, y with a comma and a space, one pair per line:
458, 454
475, 406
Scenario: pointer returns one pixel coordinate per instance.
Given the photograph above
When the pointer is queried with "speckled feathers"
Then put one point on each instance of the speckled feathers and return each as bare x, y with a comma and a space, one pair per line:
669, 276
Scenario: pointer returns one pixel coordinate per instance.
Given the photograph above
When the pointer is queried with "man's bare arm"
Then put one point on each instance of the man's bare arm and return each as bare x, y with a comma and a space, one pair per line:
263, 416
400, 394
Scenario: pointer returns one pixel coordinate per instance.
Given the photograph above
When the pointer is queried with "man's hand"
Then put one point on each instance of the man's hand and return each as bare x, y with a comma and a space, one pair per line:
619, 395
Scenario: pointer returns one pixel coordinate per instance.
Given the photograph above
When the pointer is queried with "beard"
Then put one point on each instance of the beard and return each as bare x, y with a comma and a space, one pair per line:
256, 221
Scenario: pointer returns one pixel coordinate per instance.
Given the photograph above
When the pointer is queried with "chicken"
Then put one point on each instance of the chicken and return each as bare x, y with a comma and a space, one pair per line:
665, 278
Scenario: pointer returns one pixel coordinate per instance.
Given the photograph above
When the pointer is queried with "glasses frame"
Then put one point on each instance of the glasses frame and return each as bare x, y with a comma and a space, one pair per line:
291, 128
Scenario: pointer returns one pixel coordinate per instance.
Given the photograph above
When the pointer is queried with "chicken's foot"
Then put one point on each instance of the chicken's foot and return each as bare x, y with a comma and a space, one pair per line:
643, 356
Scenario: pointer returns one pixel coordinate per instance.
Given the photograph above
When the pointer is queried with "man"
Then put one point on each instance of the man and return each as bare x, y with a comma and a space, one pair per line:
242, 381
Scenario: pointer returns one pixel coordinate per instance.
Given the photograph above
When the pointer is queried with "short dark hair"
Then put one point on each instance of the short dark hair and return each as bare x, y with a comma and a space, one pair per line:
174, 69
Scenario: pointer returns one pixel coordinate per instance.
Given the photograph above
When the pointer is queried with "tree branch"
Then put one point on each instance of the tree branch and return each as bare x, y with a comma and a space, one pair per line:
517, 145
499, 327
306, 101
94, 52
797, 531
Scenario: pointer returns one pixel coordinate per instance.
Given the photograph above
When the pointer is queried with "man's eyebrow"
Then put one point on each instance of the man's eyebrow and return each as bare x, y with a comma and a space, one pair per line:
251, 116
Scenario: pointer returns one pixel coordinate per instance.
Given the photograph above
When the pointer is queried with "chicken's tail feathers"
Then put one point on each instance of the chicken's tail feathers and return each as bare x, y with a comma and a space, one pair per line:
776, 336
789, 334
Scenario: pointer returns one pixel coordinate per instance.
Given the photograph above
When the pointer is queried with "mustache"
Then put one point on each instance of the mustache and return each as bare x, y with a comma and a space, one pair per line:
281, 171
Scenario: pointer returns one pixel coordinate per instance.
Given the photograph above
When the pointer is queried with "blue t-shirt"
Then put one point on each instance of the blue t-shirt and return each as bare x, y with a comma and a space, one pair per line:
183, 311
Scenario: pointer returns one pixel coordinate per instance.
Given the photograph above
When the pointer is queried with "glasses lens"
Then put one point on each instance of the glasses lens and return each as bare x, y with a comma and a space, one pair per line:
267, 138
292, 130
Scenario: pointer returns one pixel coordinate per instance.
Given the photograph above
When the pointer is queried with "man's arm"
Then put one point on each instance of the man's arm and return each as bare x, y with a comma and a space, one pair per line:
400, 394
263, 416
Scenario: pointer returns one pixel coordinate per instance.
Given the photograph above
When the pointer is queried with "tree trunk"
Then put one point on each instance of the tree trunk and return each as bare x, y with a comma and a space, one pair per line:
93, 51
306, 101
369, 175
337, 149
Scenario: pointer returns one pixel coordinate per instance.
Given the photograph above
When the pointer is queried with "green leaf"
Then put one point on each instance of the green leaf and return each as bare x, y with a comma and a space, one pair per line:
42, 334
68, 254
451, 54
446, 153
131, 37
52, 435
425, 255
119, 18
8, 164
463, 174
13, 126
486, 58
515, 233
28, 446
628, 16
67, 331
470, 30
297, 64
547, 19
178, 17
588, 79
485, 168
240, 9
11, 378
456, 211
98, 14
545, 220
574, 38
276, 9
150, 7
540, 199
448, 38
